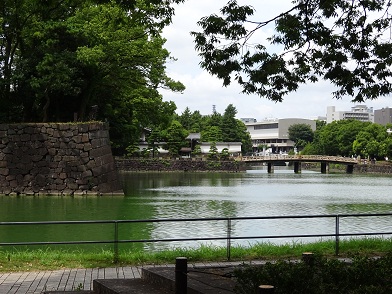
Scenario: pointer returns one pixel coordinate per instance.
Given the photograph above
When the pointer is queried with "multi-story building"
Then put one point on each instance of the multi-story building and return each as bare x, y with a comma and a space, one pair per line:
358, 112
248, 120
275, 133
383, 116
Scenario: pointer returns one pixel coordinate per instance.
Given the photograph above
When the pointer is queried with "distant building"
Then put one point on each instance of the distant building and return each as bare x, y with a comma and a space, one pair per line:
248, 120
275, 133
383, 116
232, 147
358, 112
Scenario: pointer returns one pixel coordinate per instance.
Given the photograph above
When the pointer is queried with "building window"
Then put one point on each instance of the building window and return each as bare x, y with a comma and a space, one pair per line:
266, 126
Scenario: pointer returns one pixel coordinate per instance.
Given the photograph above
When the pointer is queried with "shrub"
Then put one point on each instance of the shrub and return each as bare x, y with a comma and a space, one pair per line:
360, 275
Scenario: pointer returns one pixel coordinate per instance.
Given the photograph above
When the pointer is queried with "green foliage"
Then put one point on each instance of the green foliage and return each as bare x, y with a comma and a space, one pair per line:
337, 138
217, 127
214, 164
17, 259
133, 150
309, 149
58, 60
339, 41
145, 152
212, 134
174, 137
213, 153
351, 138
363, 275
245, 138
229, 125
300, 134
224, 154
372, 141
194, 122
197, 150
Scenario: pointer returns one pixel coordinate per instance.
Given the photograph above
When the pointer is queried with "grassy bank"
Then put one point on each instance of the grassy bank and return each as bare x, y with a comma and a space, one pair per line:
50, 259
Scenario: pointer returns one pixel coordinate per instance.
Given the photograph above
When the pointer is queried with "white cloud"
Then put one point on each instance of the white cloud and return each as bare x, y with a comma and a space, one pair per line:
203, 91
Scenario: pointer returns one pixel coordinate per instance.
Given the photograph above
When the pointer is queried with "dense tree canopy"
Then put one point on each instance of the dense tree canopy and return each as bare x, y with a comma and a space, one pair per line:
217, 127
351, 138
300, 134
344, 42
60, 58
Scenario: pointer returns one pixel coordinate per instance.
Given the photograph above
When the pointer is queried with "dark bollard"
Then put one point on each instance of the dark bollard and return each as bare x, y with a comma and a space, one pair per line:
266, 289
181, 275
308, 258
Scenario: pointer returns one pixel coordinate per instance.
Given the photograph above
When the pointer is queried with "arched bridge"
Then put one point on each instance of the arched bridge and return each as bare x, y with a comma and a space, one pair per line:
298, 159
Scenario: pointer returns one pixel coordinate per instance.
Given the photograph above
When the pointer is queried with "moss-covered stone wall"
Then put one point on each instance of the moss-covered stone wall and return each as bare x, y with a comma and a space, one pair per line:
56, 159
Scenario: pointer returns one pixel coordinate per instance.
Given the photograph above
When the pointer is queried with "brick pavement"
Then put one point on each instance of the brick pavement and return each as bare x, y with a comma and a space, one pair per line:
80, 279
61, 280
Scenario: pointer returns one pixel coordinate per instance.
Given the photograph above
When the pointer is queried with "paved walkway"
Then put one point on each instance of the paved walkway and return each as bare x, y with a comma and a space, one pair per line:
61, 280
76, 279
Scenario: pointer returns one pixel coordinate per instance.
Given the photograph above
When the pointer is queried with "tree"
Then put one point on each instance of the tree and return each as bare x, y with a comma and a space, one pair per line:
197, 150
371, 141
185, 119
212, 134
300, 134
344, 42
192, 121
217, 127
224, 154
348, 131
234, 130
215, 119
230, 132
388, 147
245, 138
213, 153
336, 138
58, 59
175, 137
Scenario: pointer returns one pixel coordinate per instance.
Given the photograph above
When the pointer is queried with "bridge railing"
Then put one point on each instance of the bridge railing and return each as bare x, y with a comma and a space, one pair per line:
283, 157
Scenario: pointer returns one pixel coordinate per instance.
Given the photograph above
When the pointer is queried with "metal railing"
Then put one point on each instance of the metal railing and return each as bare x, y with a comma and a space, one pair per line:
228, 235
299, 157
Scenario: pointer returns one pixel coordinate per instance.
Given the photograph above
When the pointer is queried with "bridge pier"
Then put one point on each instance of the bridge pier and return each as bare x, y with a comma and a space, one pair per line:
350, 168
324, 167
297, 167
270, 167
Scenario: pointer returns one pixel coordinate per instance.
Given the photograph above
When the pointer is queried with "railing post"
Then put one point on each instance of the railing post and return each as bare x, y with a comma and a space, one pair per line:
181, 271
337, 235
265, 289
308, 258
228, 246
115, 259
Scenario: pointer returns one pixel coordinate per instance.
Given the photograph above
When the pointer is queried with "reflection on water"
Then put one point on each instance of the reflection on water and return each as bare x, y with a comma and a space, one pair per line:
209, 195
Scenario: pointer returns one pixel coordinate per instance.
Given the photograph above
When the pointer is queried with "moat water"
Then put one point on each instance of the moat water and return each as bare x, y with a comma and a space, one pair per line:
206, 195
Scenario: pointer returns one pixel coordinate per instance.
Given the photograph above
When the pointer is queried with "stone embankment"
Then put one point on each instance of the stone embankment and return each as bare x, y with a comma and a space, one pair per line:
370, 168
181, 164
373, 168
56, 159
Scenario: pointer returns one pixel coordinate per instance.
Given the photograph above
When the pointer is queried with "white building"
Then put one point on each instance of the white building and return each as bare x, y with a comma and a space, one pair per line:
275, 133
232, 147
358, 112
383, 116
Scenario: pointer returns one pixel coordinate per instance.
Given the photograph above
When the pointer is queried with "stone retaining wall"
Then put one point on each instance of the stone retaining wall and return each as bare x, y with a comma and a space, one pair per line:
56, 159
192, 164
373, 168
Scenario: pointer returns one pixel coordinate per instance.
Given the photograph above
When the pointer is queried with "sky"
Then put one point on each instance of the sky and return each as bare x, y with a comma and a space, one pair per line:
203, 91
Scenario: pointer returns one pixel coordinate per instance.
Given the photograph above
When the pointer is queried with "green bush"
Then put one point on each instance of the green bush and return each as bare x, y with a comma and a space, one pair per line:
325, 276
